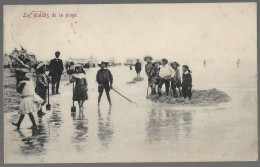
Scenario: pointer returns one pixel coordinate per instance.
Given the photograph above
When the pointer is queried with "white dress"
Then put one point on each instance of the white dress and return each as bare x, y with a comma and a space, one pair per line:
30, 102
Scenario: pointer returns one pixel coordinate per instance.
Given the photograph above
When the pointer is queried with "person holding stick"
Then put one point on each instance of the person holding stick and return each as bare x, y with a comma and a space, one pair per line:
105, 81
80, 91
41, 85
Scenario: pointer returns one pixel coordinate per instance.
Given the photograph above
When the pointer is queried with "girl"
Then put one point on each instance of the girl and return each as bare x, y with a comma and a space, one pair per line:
186, 82
30, 101
80, 90
41, 85
176, 80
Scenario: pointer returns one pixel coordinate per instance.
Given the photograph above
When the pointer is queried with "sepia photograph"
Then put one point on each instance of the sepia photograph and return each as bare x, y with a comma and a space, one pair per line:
130, 83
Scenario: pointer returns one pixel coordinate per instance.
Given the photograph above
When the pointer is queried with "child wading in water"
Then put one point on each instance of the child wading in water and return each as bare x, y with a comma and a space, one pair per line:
105, 81
80, 90
186, 82
41, 85
176, 80
30, 101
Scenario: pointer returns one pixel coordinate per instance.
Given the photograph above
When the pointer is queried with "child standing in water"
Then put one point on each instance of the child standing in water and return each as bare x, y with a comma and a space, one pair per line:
176, 80
186, 82
41, 85
105, 81
80, 90
30, 101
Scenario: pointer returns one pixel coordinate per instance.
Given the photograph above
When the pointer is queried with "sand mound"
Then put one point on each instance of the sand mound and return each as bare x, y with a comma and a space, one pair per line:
199, 97
138, 79
131, 82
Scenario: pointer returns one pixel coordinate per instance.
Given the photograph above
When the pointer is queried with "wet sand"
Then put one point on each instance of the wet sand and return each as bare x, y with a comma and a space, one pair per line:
147, 132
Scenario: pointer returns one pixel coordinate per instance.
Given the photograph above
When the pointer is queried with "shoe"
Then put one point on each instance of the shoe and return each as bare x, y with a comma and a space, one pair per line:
15, 124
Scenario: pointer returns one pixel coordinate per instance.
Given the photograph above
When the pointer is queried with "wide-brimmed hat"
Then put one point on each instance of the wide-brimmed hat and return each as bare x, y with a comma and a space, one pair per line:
105, 63
165, 60
76, 66
156, 61
146, 57
40, 65
177, 64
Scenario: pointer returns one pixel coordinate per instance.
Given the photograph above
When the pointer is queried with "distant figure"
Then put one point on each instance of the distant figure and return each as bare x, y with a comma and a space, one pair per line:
105, 81
30, 101
238, 63
204, 62
186, 82
80, 90
176, 80
56, 69
166, 73
130, 67
138, 67
41, 85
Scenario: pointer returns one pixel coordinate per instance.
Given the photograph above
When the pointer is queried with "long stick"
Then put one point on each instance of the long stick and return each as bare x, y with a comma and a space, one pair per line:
123, 96
147, 90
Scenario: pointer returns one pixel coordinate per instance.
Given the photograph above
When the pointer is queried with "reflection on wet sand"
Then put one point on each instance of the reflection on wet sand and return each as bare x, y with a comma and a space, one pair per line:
80, 124
105, 128
34, 144
167, 126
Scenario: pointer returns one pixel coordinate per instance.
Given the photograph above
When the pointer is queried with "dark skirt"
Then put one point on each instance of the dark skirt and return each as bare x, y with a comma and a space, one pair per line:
80, 93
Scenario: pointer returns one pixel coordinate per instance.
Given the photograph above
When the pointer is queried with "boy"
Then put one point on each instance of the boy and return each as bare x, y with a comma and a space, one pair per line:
105, 81
166, 73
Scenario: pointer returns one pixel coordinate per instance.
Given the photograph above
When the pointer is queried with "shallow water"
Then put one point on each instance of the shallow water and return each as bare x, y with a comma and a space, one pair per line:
146, 132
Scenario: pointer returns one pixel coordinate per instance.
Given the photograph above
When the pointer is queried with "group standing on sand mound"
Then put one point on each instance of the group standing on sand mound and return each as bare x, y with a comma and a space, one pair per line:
161, 73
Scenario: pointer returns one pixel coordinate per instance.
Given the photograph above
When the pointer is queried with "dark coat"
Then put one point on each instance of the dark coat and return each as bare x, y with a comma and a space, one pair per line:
186, 80
56, 67
138, 67
104, 75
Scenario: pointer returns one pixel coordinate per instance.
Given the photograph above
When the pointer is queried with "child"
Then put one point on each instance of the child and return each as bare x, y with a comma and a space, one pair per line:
138, 67
105, 81
148, 68
80, 90
30, 101
176, 80
41, 85
154, 74
166, 73
186, 82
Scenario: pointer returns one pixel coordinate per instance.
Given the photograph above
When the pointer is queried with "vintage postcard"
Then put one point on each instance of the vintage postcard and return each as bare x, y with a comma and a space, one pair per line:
98, 83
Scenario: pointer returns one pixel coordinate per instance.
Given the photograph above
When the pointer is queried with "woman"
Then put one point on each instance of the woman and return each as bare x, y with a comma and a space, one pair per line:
80, 90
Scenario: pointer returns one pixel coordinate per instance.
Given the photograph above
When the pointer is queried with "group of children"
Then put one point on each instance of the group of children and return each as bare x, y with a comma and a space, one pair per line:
160, 72
33, 97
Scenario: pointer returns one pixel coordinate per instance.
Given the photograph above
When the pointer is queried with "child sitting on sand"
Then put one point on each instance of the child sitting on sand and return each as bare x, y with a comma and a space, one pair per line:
30, 101
186, 82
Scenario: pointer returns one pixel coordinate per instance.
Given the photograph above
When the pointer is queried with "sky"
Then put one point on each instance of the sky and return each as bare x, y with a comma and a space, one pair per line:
181, 32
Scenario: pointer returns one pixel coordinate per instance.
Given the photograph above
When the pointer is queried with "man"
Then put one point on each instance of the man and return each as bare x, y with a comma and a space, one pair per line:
166, 73
56, 69
138, 67
105, 81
